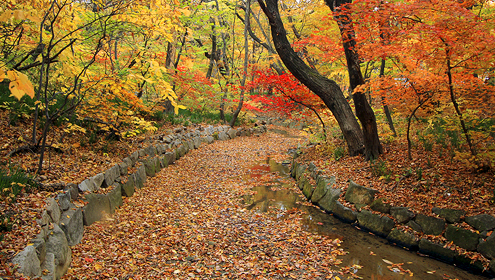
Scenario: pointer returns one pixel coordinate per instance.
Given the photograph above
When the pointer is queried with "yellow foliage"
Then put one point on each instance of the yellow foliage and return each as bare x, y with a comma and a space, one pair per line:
71, 128
19, 83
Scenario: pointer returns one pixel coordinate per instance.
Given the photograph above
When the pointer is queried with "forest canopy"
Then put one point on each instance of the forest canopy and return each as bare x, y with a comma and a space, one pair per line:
119, 66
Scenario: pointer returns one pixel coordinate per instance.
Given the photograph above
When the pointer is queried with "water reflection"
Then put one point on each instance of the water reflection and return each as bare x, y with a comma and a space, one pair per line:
368, 251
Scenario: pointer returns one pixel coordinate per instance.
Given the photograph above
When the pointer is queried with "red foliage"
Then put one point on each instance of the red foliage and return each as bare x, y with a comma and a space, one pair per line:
281, 93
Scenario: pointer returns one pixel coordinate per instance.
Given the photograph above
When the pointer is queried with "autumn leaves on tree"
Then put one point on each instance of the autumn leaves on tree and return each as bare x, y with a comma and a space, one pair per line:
115, 66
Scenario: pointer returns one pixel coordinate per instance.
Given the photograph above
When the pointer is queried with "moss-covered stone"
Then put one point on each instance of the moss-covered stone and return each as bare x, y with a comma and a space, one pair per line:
323, 184
359, 194
450, 215
401, 214
436, 251
380, 225
344, 213
461, 237
402, 238
380, 206
430, 225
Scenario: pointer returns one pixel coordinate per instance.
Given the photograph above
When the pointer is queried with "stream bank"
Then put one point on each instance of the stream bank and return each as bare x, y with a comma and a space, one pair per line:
369, 256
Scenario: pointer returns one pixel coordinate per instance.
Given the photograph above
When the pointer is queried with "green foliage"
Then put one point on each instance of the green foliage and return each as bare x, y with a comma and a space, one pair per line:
18, 110
338, 153
379, 168
419, 173
190, 116
408, 172
14, 181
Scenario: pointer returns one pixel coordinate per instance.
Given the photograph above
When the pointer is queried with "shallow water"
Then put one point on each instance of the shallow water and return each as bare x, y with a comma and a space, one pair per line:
373, 254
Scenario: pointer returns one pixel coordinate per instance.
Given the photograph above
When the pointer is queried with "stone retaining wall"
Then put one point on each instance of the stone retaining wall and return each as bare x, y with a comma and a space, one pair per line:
62, 222
441, 222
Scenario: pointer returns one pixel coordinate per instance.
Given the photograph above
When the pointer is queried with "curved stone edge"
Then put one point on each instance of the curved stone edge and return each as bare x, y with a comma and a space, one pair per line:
48, 256
325, 194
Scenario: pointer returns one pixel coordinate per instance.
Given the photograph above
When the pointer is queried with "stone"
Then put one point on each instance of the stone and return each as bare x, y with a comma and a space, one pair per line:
53, 209
97, 207
134, 157
450, 215
209, 130
492, 266
163, 161
328, 201
44, 222
140, 177
401, 214
430, 225
115, 196
142, 153
64, 201
57, 245
157, 164
323, 184
197, 142
72, 225
160, 149
314, 171
171, 157
402, 238
359, 194
28, 262
308, 189
436, 251
380, 225
232, 133
40, 247
344, 213
464, 262
300, 170
293, 168
412, 224
302, 181
481, 222
180, 152
222, 136
210, 139
380, 206
111, 175
189, 145
150, 151
149, 166
99, 181
461, 237
73, 190
48, 267
127, 189
128, 161
487, 247
123, 168
87, 186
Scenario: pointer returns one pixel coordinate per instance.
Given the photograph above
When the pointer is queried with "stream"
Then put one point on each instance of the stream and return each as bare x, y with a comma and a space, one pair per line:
368, 256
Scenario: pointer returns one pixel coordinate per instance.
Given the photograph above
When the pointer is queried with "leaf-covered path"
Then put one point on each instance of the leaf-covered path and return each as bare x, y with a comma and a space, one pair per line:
188, 223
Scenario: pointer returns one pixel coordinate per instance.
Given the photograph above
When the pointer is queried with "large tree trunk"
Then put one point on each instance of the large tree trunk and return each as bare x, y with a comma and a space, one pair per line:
364, 112
328, 90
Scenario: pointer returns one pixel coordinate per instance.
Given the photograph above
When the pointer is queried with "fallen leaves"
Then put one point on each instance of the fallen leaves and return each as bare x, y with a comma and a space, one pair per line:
188, 223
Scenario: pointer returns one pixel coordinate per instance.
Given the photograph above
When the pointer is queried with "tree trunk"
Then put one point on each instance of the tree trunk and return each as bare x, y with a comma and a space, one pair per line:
246, 60
328, 90
364, 112
385, 106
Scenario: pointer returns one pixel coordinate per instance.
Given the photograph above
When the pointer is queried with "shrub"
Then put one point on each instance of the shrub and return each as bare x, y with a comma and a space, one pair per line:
14, 181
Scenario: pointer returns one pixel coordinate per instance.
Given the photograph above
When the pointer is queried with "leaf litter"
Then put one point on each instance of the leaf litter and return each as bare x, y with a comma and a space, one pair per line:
188, 223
